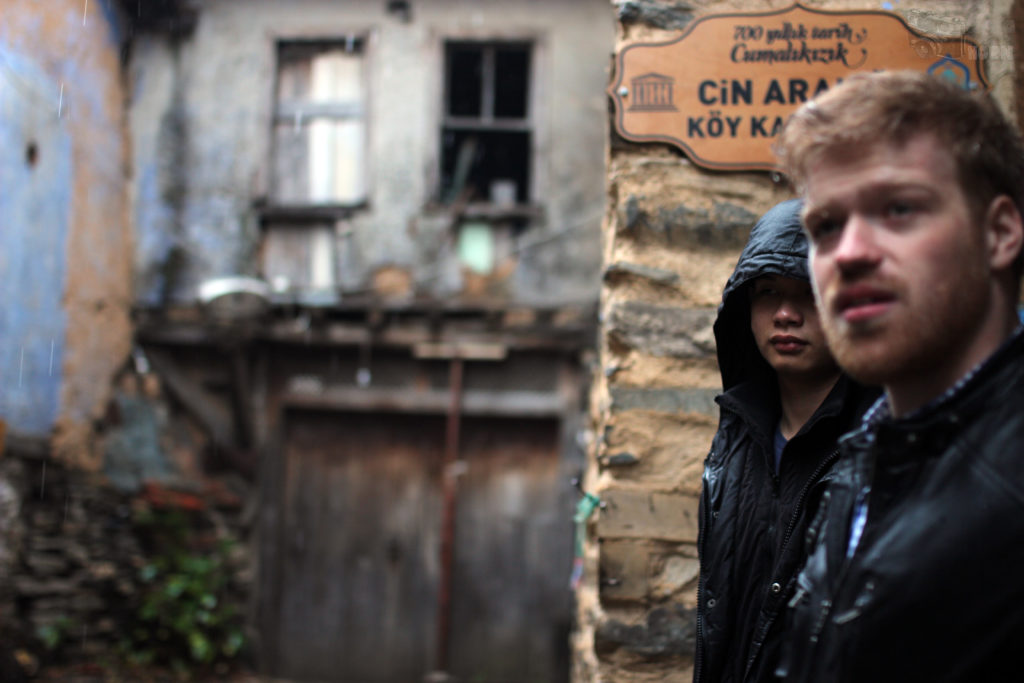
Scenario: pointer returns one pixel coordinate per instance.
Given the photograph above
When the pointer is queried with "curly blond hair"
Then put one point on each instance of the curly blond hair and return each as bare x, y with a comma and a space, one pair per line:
891, 107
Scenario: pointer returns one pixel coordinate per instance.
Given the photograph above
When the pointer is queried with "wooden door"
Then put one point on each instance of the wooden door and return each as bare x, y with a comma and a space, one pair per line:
511, 602
361, 571
361, 524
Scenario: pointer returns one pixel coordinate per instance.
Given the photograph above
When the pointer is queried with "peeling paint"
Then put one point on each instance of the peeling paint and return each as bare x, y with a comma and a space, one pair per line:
36, 177
66, 261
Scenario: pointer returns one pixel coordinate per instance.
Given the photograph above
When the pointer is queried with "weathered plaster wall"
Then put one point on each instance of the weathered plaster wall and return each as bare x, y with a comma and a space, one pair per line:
671, 236
207, 102
66, 246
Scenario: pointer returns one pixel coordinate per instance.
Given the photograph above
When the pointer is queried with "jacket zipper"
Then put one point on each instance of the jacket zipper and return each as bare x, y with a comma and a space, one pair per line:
826, 605
699, 654
818, 472
822, 467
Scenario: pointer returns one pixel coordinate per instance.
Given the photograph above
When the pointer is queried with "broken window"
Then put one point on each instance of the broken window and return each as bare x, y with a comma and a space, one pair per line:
320, 123
486, 135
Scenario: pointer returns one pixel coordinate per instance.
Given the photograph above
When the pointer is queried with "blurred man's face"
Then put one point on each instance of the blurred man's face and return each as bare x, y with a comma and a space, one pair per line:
900, 270
787, 329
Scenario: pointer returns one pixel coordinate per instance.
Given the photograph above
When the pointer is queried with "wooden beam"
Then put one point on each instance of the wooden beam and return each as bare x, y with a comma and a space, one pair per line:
214, 419
433, 401
464, 350
337, 334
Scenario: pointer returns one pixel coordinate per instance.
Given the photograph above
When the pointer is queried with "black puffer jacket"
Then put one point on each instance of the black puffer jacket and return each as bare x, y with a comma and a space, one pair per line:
934, 590
752, 522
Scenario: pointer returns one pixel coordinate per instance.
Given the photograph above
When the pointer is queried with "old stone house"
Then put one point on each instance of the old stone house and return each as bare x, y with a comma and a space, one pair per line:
349, 276
329, 271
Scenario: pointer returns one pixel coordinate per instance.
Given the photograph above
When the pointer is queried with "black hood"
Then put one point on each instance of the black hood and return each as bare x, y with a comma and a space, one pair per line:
777, 246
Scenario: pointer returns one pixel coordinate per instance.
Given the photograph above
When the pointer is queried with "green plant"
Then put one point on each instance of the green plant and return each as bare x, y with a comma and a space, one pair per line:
185, 616
55, 633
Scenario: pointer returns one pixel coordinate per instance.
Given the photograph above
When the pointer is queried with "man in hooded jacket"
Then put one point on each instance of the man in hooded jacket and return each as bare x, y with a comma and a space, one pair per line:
784, 405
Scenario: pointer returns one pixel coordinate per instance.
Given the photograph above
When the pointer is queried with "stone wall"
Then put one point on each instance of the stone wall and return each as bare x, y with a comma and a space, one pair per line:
73, 556
672, 233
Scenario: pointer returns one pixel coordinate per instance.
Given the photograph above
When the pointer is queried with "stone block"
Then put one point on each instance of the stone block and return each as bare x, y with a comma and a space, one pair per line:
624, 570
76, 552
673, 574
44, 519
105, 625
725, 226
639, 571
26, 586
670, 16
670, 449
623, 459
49, 543
660, 276
665, 400
87, 601
667, 331
668, 631
50, 606
46, 564
641, 370
644, 514
102, 571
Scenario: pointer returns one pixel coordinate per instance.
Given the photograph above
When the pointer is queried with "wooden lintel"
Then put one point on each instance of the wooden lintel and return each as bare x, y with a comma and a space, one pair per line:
472, 335
411, 337
435, 401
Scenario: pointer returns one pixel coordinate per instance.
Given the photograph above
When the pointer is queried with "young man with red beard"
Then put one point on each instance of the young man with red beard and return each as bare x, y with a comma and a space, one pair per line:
913, 191
783, 407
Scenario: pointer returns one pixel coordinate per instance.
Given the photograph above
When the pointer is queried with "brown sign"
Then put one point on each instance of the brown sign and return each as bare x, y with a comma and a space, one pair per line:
722, 90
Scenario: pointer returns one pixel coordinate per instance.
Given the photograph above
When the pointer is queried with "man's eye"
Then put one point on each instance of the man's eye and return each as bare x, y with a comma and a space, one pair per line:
898, 209
822, 228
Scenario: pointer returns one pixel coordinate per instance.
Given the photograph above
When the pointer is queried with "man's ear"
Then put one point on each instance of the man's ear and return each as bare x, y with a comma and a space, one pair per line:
1004, 232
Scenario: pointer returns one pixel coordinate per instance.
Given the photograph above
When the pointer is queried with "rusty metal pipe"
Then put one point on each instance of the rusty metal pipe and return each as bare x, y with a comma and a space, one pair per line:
449, 489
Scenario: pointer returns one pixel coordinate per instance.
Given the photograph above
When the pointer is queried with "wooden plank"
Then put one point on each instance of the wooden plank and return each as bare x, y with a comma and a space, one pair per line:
511, 609
215, 420
359, 578
298, 333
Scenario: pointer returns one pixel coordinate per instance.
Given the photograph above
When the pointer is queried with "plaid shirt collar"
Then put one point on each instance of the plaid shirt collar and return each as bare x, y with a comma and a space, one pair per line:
881, 411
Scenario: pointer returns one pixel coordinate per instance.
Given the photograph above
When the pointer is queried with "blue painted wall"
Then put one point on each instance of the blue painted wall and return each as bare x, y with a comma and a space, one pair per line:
35, 208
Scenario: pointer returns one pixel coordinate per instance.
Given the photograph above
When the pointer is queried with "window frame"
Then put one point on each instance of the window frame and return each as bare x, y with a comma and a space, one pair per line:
273, 208
533, 122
